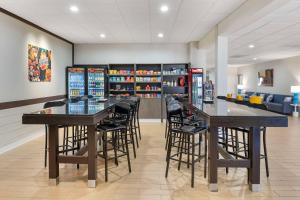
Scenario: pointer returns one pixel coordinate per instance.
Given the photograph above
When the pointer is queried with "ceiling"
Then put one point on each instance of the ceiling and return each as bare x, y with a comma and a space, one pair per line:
125, 21
275, 36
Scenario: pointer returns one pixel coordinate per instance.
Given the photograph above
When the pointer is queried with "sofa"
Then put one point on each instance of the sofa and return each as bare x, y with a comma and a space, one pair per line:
279, 103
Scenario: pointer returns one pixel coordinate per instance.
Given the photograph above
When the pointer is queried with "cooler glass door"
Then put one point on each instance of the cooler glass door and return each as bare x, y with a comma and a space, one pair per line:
96, 82
197, 87
76, 82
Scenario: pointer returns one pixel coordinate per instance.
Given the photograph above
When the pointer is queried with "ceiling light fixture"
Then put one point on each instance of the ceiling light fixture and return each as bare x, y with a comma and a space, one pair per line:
164, 8
74, 9
251, 46
102, 35
160, 35
254, 58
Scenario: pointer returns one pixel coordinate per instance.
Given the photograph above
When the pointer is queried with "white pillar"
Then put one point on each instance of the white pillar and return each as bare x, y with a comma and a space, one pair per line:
221, 64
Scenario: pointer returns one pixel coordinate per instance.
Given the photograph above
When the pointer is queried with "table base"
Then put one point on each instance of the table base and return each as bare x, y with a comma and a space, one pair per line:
53, 181
255, 187
213, 187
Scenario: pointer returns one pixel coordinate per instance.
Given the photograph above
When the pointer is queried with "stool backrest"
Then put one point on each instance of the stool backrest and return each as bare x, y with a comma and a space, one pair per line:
174, 110
124, 109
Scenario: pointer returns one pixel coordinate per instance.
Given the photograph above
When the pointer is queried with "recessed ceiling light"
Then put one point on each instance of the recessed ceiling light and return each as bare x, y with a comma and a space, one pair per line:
254, 58
251, 46
164, 8
102, 35
74, 9
160, 35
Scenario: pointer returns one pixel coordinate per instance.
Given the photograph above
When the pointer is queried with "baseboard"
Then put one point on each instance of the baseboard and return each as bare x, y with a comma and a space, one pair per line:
21, 142
150, 120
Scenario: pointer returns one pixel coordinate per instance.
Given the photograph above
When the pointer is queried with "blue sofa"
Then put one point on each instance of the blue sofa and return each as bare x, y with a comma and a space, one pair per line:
277, 104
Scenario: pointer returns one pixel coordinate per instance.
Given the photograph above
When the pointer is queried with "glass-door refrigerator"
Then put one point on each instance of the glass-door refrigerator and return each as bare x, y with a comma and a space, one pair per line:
75, 82
196, 84
96, 82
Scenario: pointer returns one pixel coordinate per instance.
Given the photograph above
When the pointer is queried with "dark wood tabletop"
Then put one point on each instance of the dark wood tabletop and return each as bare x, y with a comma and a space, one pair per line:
225, 113
83, 112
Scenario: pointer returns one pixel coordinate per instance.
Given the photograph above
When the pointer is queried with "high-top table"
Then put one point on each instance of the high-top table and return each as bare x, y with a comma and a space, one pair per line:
87, 112
227, 114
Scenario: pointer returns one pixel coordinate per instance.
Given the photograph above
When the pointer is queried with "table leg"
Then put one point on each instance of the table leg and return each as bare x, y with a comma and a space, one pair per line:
254, 156
53, 155
212, 159
92, 156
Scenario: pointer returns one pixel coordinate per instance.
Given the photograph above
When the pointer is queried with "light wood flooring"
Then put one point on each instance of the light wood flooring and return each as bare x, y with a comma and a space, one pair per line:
22, 175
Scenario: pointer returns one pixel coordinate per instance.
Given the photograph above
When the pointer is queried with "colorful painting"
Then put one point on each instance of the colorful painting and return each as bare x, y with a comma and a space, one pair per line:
39, 64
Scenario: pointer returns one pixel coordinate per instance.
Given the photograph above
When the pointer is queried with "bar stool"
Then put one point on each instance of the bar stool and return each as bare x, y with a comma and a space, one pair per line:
133, 122
187, 144
111, 133
239, 145
176, 121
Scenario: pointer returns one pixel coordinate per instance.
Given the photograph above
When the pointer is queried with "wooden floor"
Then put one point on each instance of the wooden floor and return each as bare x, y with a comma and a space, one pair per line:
22, 175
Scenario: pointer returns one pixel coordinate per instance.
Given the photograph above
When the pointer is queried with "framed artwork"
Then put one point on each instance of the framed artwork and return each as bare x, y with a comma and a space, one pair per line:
265, 77
39, 64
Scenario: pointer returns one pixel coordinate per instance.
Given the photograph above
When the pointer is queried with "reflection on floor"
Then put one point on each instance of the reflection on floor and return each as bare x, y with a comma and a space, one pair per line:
22, 175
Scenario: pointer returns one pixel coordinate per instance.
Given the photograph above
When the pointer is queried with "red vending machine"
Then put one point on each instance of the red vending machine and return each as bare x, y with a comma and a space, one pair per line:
195, 84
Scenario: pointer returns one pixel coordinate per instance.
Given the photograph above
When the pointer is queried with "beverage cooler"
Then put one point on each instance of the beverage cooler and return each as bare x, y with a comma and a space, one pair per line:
86, 80
195, 84
76, 82
96, 82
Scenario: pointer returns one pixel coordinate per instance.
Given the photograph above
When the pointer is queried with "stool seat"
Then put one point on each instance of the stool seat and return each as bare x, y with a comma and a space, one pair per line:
192, 129
110, 127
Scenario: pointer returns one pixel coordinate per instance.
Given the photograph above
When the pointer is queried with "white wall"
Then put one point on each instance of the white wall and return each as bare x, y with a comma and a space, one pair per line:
286, 73
14, 39
14, 83
131, 53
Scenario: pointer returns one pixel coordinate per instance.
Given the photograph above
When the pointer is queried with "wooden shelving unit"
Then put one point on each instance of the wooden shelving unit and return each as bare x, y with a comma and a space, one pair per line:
149, 82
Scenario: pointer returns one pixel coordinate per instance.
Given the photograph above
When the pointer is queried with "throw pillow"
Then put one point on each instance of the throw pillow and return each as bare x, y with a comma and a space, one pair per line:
262, 96
269, 98
287, 99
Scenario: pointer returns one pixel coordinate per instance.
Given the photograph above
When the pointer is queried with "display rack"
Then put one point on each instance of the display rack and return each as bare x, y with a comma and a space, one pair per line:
150, 82
175, 79
121, 79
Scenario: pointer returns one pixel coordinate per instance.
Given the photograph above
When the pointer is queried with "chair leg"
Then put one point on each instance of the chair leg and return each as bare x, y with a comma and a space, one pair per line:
200, 140
138, 124
180, 144
265, 152
136, 134
245, 144
188, 139
227, 141
168, 154
166, 129
167, 138
105, 155
205, 152
114, 142
236, 144
78, 140
193, 159
127, 150
73, 139
132, 141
